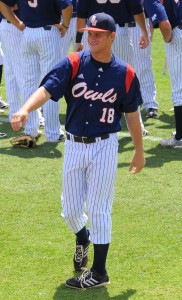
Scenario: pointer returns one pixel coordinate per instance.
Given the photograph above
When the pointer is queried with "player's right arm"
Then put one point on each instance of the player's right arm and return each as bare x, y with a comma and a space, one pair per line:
8, 13
35, 101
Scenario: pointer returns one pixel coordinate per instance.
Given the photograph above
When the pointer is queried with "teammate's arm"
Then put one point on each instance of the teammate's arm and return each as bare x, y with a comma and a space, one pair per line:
35, 101
81, 23
140, 20
10, 16
134, 126
66, 17
166, 31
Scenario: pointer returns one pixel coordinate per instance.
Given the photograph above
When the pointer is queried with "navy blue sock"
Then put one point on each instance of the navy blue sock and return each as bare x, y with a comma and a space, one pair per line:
82, 236
100, 256
178, 121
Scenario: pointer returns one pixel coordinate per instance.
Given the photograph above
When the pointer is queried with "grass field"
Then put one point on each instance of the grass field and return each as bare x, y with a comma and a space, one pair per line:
145, 257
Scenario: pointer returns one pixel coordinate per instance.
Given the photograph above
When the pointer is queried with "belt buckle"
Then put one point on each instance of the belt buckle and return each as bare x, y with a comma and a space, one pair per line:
83, 139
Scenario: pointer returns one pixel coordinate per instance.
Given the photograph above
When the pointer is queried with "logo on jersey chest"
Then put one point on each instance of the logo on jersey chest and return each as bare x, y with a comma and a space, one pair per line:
81, 90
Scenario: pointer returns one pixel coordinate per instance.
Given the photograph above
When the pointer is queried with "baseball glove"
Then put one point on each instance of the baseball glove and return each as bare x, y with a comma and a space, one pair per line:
24, 141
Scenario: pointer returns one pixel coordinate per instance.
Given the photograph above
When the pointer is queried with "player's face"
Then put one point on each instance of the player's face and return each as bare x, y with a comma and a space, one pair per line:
100, 41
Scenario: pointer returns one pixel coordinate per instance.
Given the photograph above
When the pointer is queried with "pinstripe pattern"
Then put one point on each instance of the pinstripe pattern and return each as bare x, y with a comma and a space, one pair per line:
11, 46
142, 63
89, 174
69, 37
41, 51
174, 61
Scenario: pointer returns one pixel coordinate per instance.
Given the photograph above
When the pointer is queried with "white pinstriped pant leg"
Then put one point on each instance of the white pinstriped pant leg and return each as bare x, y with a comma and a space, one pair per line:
122, 46
74, 191
174, 61
31, 76
142, 63
89, 174
49, 48
41, 51
69, 37
11, 45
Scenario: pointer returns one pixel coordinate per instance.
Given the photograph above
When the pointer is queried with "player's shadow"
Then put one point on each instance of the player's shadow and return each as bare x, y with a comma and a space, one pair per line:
44, 150
65, 293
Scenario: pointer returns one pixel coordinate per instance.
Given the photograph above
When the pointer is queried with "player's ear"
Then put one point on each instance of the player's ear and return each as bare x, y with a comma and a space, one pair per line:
113, 35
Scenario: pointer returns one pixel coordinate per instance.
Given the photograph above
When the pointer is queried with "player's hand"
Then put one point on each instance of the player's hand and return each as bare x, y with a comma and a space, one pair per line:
61, 28
78, 47
19, 120
144, 41
21, 26
137, 163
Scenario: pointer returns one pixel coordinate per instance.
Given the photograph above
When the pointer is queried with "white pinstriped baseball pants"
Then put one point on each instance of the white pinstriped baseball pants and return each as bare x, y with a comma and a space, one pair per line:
41, 51
88, 175
142, 63
11, 46
174, 62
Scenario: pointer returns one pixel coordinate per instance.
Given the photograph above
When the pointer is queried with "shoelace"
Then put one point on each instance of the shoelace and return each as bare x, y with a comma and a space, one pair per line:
79, 253
86, 275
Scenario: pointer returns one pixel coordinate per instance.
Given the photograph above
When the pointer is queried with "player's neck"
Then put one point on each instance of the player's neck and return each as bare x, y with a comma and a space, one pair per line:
102, 57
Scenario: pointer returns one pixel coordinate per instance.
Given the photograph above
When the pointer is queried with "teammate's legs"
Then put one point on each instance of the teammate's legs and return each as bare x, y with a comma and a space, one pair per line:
50, 53
174, 61
11, 45
31, 76
142, 63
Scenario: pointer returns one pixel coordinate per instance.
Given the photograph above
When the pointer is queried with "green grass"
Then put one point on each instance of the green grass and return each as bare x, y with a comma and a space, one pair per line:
144, 261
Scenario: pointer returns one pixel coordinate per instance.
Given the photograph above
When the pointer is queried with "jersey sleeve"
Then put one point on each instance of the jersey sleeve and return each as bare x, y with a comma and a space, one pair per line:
132, 97
56, 82
134, 6
9, 2
156, 11
65, 3
83, 9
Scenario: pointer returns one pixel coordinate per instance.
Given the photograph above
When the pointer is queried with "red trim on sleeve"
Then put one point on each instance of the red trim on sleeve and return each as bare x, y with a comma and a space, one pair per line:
74, 59
130, 74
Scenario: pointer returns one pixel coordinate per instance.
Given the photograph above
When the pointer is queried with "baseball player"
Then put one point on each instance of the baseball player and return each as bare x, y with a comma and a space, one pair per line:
167, 15
97, 87
142, 63
69, 38
11, 45
124, 13
41, 49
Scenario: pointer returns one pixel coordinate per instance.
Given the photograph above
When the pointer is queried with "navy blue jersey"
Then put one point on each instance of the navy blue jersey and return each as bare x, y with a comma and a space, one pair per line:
165, 9
96, 93
122, 11
38, 13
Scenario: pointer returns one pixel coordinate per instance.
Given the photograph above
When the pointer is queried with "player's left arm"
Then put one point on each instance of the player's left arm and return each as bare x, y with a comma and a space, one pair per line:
134, 126
140, 20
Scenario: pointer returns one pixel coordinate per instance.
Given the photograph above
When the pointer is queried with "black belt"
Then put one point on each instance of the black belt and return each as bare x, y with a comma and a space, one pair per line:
47, 27
129, 24
86, 140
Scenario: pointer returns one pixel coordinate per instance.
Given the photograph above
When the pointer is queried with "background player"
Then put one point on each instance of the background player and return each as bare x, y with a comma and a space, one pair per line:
168, 17
41, 49
69, 38
142, 63
102, 87
11, 44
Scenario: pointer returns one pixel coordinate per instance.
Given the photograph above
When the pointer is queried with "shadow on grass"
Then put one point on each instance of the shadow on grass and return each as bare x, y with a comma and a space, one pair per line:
66, 293
156, 156
44, 150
